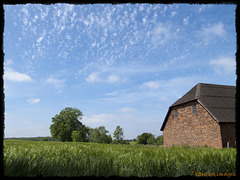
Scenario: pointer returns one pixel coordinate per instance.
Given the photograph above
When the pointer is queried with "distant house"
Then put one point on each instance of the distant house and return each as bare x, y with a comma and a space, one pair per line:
204, 116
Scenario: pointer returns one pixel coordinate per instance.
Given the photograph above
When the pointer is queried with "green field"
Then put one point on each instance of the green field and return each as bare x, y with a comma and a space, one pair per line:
31, 158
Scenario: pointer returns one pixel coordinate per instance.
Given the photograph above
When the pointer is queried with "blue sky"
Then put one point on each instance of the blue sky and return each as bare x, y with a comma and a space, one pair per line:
119, 64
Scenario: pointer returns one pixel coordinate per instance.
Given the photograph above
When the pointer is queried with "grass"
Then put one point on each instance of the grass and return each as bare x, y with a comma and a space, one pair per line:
32, 158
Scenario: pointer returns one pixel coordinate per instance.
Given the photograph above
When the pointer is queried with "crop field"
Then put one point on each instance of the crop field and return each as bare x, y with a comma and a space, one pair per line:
44, 158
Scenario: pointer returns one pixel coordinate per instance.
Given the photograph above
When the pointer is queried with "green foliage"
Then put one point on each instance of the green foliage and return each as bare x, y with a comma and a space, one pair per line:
151, 140
120, 141
99, 135
31, 158
118, 133
64, 123
44, 139
143, 138
33, 138
159, 140
77, 136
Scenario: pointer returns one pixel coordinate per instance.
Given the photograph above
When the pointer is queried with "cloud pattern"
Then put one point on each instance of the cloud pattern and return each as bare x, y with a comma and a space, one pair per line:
104, 35
109, 59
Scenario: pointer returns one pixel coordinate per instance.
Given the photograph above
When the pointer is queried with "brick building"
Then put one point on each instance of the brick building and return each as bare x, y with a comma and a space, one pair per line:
205, 115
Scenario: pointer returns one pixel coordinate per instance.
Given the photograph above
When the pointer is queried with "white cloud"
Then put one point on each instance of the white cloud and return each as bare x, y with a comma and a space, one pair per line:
33, 101
97, 119
115, 93
223, 65
126, 109
173, 14
163, 90
14, 76
134, 69
8, 62
93, 77
113, 79
215, 29
24, 10
141, 7
160, 33
185, 20
154, 91
210, 31
176, 87
151, 85
163, 98
160, 30
40, 39
44, 14
58, 83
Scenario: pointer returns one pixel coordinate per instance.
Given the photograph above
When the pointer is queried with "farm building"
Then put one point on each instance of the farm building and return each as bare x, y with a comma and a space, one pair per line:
204, 116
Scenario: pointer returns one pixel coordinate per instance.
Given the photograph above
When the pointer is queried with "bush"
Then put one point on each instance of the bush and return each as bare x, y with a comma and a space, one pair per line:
151, 140
159, 140
143, 138
99, 135
77, 136
119, 142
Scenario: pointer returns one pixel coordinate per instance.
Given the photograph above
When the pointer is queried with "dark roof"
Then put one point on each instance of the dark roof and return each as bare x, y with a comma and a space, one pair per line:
218, 100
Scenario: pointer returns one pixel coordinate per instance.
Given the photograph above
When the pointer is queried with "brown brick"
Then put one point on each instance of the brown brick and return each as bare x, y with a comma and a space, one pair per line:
197, 129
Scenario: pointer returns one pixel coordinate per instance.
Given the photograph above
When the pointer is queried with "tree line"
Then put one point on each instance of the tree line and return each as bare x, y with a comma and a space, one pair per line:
66, 126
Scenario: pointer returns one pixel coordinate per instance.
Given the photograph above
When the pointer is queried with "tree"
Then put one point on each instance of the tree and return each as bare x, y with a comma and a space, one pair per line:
99, 135
94, 135
151, 140
118, 133
159, 140
142, 139
64, 123
77, 136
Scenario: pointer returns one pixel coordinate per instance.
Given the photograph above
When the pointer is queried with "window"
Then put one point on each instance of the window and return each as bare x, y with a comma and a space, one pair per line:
194, 109
176, 113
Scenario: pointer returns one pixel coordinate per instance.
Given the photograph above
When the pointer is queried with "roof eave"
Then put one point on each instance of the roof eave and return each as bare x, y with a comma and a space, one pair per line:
170, 108
208, 111
165, 120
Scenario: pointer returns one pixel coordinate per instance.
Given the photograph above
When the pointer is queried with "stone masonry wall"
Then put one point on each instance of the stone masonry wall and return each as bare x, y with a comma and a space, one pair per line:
192, 129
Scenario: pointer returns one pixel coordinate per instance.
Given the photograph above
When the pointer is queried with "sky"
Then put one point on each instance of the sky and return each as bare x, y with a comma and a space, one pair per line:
121, 64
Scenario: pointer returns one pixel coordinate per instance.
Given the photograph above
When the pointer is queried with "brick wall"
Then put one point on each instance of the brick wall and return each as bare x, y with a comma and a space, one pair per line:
228, 131
193, 129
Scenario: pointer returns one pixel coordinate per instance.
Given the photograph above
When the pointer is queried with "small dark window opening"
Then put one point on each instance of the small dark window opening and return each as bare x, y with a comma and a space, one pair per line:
194, 109
176, 113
